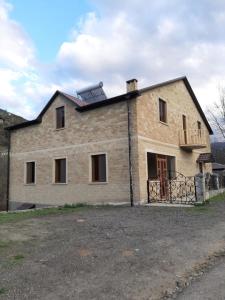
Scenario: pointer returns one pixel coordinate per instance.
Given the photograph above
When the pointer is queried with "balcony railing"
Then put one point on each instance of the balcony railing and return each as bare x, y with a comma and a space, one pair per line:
192, 139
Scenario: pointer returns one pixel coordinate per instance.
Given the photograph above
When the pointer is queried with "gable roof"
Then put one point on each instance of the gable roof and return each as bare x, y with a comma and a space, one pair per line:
151, 87
82, 106
191, 92
38, 120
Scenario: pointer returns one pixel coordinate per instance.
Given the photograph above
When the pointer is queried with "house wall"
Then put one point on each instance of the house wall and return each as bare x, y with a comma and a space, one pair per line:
6, 119
103, 130
156, 137
100, 130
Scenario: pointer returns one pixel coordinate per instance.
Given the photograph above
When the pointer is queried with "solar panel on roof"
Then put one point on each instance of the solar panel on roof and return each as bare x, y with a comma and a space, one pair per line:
92, 93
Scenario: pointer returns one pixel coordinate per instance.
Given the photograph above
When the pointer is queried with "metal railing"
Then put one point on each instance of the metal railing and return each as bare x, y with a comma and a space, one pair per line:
176, 189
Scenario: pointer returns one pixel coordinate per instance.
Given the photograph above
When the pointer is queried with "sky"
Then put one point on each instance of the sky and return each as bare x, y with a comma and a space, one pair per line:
66, 45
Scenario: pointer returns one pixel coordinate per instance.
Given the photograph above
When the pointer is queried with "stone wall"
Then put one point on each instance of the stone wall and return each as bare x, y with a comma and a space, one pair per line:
157, 137
6, 119
100, 130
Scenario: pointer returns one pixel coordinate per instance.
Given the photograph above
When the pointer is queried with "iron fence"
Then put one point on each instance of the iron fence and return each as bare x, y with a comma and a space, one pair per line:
176, 189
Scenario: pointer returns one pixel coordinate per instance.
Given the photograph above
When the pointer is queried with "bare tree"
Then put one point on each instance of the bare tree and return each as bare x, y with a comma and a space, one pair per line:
217, 114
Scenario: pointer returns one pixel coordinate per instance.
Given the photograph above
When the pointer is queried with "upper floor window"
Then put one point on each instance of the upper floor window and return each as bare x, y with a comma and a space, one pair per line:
60, 117
60, 170
98, 167
30, 172
162, 111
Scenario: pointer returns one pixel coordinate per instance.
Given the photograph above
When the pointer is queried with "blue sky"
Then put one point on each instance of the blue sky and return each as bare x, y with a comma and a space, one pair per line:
67, 45
39, 18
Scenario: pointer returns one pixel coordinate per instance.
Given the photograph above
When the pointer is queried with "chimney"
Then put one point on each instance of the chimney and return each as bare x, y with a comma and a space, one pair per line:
132, 85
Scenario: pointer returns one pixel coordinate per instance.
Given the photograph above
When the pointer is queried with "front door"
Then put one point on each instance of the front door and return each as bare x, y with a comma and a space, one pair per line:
162, 174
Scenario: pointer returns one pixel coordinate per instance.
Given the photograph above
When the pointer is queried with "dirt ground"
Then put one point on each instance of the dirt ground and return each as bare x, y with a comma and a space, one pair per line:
109, 253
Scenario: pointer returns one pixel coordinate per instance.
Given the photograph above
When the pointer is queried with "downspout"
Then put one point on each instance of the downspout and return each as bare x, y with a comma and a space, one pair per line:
8, 172
129, 154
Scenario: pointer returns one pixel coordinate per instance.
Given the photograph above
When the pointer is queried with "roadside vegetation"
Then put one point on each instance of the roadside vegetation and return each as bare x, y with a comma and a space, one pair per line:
208, 206
19, 215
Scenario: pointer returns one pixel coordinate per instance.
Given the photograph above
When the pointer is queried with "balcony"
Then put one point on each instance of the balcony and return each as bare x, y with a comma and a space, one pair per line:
192, 139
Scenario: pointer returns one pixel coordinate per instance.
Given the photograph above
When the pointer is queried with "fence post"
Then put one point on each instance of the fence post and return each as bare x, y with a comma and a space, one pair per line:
203, 188
148, 191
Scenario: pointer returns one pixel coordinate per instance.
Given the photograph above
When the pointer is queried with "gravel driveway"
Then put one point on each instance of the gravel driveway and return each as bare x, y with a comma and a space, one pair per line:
109, 253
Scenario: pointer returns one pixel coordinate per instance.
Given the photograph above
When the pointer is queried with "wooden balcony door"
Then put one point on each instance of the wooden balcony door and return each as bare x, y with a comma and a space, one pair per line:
162, 175
184, 128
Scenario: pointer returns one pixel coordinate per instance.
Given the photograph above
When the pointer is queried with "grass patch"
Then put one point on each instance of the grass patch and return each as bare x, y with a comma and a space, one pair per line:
220, 197
3, 244
199, 209
3, 291
19, 216
18, 257
207, 207
77, 205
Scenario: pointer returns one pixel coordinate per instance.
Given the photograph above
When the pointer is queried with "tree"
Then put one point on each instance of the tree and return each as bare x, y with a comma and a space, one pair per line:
217, 114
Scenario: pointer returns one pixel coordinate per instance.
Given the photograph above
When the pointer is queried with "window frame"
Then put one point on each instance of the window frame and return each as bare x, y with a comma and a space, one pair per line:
25, 172
106, 167
54, 169
166, 111
58, 107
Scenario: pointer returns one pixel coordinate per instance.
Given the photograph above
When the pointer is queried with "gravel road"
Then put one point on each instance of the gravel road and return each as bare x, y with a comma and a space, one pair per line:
108, 253
210, 286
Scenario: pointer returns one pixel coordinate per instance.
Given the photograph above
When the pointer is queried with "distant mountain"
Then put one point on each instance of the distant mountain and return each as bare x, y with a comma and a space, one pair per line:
7, 119
218, 151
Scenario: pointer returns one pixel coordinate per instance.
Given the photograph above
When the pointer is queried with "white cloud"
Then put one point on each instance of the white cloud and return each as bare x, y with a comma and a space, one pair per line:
153, 41
150, 40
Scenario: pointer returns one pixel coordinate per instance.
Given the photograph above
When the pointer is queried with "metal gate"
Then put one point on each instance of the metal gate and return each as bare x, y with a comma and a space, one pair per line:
173, 188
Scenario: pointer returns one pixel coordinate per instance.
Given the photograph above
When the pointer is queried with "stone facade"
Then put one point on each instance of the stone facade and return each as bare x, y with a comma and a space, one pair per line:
102, 130
157, 137
6, 119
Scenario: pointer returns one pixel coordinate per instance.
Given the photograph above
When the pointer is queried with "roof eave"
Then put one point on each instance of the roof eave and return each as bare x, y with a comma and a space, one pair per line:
109, 101
24, 124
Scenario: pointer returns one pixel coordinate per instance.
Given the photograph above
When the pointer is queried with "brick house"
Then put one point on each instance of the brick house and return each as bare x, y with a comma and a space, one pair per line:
6, 119
102, 151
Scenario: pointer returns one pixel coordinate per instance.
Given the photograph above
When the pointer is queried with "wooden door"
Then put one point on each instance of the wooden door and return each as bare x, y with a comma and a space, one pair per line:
162, 175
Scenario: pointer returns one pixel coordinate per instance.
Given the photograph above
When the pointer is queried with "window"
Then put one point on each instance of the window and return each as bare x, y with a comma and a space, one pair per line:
30, 172
162, 111
98, 166
60, 117
60, 170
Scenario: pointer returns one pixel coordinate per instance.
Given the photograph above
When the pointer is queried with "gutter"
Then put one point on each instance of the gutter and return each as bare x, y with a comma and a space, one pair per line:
129, 154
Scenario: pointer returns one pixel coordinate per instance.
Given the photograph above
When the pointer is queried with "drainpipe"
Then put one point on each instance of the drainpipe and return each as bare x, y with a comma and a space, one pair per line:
8, 172
129, 154
131, 87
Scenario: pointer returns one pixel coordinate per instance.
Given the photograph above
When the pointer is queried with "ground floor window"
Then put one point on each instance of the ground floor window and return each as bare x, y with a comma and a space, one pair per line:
60, 170
98, 168
30, 172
